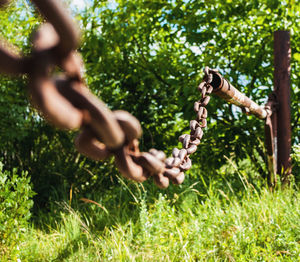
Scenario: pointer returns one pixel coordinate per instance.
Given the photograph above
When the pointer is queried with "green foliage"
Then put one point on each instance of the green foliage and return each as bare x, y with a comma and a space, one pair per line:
26, 141
15, 204
146, 57
221, 225
296, 162
296, 154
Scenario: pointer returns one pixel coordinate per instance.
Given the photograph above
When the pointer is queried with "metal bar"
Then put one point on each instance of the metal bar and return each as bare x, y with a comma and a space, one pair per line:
56, 14
10, 62
269, 143
282, 68
227, 91
3, 3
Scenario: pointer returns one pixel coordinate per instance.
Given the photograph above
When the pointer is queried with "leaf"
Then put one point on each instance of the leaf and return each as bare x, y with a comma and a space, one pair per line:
296, 56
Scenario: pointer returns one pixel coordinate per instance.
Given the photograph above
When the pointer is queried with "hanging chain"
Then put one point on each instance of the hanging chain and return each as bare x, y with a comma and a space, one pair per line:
173, 167
65, 101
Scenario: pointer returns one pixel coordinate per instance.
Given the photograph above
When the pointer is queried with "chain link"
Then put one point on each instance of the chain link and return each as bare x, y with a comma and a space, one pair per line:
65, 101
179, 162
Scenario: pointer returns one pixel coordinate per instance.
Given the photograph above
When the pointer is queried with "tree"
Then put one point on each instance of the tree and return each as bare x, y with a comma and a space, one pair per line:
146, 57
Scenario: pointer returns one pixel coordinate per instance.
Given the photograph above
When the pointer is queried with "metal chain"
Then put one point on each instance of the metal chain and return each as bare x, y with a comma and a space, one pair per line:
163, 170
65, 101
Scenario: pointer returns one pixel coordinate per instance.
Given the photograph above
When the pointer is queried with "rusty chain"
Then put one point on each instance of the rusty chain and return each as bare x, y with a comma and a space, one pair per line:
65, 101
172, 168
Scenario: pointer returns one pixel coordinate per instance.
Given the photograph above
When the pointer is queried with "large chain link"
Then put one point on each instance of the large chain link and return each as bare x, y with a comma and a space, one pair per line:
65, 101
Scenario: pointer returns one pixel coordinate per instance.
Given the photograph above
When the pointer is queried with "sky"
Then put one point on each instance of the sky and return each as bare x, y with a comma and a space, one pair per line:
81, 4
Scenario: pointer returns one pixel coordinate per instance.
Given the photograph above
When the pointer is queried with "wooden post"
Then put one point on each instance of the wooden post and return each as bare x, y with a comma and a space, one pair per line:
281, 120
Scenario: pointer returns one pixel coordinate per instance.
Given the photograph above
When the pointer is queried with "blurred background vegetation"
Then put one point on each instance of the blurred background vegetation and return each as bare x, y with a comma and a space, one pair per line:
147, 57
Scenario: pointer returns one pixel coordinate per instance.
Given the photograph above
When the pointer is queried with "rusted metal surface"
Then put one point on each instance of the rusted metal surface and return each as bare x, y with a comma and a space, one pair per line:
269, 140
66, 102
154, 163
55, 13
10, 61
4, 2
282, 68
225, 90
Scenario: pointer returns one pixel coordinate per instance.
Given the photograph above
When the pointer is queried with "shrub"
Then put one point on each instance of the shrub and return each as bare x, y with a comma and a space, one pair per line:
15, 205
296, 162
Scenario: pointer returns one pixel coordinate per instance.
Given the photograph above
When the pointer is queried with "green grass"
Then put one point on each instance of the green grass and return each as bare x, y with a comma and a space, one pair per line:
183, 224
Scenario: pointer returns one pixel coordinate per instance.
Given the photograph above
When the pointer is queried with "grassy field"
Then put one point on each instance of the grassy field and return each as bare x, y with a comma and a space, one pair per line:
194, 222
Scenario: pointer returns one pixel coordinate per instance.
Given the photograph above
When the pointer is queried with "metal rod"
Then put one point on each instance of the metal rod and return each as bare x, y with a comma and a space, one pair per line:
56, 14
269, 144
10, 62
282, 68
227, 91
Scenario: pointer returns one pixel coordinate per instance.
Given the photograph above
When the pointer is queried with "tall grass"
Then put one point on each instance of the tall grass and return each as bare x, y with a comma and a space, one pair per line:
132, 224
